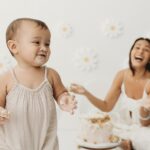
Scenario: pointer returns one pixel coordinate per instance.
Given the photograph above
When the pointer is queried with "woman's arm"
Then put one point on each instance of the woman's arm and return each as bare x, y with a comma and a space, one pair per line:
111, 98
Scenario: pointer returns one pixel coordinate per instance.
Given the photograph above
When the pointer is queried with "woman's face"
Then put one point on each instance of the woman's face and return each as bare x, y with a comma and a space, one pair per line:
140, 54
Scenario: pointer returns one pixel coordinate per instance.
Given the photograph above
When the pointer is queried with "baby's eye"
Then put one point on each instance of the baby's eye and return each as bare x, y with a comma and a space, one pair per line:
47, 44
36, 42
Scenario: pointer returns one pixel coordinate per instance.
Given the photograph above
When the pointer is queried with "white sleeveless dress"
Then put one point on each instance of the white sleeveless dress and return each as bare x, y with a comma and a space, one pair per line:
130, 127
33, 122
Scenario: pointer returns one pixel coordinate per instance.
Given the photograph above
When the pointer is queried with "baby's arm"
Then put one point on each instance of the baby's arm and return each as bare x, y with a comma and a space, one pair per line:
65, 101
4, 114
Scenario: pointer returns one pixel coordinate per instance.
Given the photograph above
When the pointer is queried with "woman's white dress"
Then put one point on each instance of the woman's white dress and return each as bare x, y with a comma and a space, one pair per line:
127, 121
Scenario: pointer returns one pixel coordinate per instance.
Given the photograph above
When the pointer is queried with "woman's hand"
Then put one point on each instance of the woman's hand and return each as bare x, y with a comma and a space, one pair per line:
78, 89
146, 103
145, 108
126, 145
144, 112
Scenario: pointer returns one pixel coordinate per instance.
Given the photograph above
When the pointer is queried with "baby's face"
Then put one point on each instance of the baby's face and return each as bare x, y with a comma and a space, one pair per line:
32, 44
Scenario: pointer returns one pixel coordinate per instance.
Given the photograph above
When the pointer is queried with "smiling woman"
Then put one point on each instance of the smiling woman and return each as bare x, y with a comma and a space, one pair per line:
139, 54
133, 111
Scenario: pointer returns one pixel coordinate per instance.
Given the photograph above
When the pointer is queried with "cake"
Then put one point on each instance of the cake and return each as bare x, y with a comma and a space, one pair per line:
96, 129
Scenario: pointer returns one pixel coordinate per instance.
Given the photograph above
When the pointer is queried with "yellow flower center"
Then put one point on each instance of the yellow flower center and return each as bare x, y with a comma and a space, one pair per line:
64, 29
1, 65
112, 28
86, 59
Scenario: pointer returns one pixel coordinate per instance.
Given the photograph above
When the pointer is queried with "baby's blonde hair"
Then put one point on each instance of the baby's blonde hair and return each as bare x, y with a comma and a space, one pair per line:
16, 24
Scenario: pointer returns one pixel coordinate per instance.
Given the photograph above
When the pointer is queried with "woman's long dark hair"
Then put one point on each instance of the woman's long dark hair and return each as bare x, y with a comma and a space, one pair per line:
147, 67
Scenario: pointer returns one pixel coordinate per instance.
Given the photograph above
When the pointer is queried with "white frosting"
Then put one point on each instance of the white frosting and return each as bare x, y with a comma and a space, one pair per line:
95, 132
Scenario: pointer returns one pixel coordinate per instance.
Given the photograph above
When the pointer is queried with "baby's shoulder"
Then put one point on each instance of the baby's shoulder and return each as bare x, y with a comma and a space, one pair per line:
52, 72
52, 75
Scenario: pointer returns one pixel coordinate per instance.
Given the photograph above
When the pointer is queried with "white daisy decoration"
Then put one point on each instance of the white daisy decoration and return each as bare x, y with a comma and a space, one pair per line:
112, 29
65, 30
5, 63
86, 59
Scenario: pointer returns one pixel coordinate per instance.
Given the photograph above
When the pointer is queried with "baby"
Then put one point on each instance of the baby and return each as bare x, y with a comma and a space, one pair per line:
30, 89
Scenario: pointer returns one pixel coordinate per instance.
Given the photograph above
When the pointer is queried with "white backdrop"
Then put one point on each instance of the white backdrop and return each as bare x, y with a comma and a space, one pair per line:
79, 39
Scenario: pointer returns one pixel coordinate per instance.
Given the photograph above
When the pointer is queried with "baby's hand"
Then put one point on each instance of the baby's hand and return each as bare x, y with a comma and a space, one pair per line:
4, 115
68, 103
76, 88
